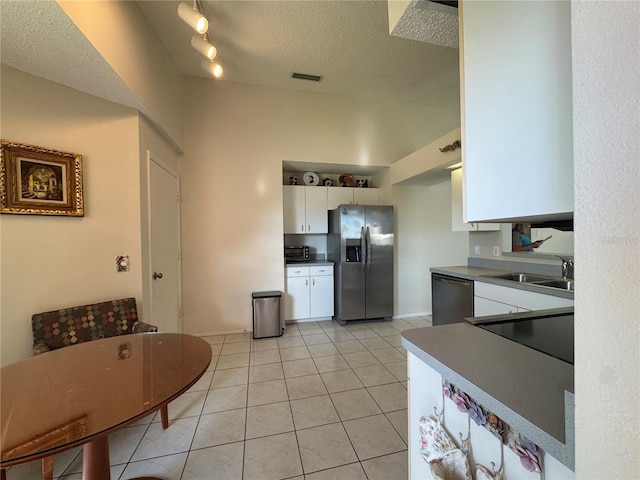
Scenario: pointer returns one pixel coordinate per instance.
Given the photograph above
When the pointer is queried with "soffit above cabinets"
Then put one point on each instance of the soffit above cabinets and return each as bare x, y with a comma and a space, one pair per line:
428, 165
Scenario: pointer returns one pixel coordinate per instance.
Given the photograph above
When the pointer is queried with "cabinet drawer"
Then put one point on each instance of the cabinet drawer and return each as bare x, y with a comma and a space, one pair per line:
523, 299
324, 270
297, 272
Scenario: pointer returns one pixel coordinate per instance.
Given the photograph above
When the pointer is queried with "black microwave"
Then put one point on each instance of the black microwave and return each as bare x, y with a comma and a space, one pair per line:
296, 253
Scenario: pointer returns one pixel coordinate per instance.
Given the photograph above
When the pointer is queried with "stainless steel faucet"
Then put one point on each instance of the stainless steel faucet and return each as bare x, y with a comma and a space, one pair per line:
567, 267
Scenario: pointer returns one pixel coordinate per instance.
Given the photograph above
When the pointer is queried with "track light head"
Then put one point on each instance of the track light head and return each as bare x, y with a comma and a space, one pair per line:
192, 17
204, 47
214, 69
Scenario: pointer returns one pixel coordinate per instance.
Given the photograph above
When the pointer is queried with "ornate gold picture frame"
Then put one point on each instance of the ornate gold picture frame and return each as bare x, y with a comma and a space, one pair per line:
40, 181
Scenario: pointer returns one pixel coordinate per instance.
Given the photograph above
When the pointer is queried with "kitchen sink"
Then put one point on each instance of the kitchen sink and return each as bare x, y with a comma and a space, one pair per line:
520, 277
565, 284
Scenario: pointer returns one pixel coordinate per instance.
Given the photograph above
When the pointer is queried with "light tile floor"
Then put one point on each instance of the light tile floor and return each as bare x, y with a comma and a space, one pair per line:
321, 402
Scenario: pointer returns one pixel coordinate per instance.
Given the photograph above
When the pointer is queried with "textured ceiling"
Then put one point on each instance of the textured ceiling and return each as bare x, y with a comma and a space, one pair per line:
37, 37
346, 42
259, 42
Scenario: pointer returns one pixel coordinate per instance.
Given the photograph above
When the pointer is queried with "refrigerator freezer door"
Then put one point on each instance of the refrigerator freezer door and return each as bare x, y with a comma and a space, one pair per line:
379, 269
348, 224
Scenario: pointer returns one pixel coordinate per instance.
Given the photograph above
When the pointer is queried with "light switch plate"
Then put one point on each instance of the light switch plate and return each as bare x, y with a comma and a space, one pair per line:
496, 251
122, 263
476, 250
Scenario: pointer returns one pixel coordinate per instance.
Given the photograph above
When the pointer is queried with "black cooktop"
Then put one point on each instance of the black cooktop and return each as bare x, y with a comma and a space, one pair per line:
552, 335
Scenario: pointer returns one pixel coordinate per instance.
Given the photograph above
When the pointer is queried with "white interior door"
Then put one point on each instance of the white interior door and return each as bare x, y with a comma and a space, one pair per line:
164, 239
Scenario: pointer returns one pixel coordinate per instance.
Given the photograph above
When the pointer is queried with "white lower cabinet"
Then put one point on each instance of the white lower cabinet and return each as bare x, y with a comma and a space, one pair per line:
483, 307
309, 292
490, 299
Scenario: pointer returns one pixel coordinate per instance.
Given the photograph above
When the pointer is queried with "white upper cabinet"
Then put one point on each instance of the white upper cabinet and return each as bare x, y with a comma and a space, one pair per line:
316, 210
293, 199
351, 196
365, 196
516, 90
457, 221
305, 209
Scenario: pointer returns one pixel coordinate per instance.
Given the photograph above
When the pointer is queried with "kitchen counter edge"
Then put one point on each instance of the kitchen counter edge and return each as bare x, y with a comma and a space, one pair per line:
530, 391
479, 274
311, 263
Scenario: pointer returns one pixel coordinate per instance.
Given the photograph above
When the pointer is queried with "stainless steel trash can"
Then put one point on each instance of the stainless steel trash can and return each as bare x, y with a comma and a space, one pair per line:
267, 319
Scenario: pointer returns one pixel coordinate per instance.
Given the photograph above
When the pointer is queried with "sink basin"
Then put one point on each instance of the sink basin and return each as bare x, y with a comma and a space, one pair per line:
564, 284
520, 277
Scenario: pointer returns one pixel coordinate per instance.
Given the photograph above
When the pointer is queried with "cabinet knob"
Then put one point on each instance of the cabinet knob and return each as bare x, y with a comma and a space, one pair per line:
302, 228
306, 282
313, 282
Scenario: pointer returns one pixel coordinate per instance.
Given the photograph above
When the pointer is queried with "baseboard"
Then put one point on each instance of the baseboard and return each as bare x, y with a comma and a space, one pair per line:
307, 320
227, 332
410, 315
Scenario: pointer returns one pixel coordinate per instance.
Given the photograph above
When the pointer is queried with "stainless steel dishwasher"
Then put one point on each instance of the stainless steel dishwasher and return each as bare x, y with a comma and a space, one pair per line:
451, 299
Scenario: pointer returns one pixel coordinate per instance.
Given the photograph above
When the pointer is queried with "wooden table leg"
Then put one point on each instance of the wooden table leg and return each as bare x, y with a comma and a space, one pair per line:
164, 414
3, 474
95, 460
47, 468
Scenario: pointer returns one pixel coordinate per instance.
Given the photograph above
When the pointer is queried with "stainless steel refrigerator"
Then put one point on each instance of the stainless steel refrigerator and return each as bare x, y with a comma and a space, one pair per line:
360, 243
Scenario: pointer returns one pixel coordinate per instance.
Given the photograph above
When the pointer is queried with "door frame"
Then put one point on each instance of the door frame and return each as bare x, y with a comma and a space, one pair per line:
151, 157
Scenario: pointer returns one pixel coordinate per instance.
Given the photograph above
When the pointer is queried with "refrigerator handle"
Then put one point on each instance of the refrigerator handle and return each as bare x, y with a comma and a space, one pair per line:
363, 247
368, 242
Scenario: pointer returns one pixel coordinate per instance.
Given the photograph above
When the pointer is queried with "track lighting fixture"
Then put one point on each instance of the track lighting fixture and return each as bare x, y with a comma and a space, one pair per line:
204, 47
214, 69
192, 17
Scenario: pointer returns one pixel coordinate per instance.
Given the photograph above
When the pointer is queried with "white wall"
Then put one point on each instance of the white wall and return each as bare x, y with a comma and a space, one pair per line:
55, 262
606, 76
120, 32
236, 137
424, 240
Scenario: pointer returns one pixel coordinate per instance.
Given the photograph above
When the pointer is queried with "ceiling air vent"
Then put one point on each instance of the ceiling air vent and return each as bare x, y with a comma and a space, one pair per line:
306, 76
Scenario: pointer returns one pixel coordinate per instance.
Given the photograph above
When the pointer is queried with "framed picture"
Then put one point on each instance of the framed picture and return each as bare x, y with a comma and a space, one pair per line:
40, 181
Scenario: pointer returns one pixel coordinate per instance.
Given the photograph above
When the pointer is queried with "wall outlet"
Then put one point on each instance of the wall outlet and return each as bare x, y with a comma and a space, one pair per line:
476, 250
496, 251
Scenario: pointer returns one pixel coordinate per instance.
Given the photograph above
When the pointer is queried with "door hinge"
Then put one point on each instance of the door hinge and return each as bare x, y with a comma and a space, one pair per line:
177, 196
179, 255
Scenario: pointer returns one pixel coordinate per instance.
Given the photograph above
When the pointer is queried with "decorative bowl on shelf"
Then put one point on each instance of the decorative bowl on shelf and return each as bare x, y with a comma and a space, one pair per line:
346, 180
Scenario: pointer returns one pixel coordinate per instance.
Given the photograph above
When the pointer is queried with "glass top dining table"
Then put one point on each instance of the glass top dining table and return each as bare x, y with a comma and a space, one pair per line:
78, 395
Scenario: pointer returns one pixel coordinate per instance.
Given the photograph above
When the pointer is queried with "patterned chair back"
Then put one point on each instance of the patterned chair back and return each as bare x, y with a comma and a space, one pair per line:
61, 328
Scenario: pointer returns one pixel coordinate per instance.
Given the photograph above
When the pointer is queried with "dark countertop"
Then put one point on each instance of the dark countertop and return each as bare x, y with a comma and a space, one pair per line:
478, 274
522, 386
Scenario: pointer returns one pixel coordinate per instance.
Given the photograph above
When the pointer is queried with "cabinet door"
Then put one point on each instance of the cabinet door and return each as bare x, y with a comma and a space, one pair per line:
337, 196
316, 210
365, 196
483, 307
297, 298
293, 199
504, 147
457, 218
321, 296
